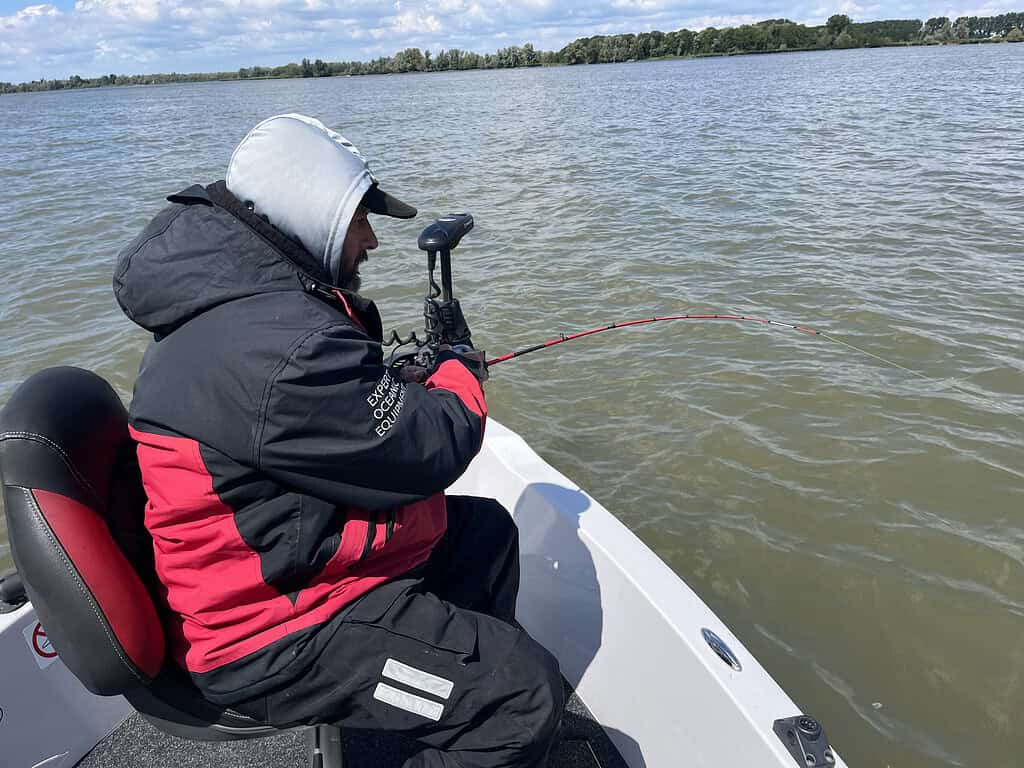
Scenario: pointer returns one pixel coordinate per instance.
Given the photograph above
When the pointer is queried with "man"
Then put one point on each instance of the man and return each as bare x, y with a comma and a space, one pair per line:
312, 567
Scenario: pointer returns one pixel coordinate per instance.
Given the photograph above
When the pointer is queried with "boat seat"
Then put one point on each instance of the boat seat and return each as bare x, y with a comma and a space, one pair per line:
74, 503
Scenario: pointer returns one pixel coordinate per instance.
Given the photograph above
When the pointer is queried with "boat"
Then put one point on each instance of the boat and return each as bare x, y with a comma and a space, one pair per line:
656, 679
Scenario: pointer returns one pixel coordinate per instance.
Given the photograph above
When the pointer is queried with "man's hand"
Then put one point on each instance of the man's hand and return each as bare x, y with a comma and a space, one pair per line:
474, 359
412, 374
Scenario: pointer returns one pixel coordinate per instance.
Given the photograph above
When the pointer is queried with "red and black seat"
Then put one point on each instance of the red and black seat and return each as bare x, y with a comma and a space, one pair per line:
74, 504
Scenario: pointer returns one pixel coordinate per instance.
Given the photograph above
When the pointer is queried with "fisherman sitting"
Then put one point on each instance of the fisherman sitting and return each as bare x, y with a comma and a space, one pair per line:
314, 570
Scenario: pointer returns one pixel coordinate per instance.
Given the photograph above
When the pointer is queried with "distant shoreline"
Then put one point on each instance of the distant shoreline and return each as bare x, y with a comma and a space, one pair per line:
771, 36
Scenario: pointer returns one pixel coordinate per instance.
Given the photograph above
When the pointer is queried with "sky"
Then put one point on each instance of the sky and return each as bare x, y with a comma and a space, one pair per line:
94, 37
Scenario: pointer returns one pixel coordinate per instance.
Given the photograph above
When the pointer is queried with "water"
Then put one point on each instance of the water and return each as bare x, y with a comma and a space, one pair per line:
858, 527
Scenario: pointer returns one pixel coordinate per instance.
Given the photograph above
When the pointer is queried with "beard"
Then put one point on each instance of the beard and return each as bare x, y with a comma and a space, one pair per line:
350, 280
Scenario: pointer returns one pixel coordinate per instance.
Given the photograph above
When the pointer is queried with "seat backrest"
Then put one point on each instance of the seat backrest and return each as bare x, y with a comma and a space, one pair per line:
74, 504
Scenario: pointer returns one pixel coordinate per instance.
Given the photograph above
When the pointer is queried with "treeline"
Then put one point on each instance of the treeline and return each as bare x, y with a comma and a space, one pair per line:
106, 80
410, 60
764, 37
784, 35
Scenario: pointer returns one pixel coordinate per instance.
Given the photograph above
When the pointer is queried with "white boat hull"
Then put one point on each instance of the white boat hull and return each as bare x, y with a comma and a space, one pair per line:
626, 630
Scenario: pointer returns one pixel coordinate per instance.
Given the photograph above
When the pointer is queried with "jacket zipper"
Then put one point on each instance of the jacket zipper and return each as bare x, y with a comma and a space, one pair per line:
323, 289
371, 534
391, 526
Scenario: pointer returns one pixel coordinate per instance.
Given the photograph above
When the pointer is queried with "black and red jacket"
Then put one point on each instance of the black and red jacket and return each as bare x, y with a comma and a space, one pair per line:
287, 470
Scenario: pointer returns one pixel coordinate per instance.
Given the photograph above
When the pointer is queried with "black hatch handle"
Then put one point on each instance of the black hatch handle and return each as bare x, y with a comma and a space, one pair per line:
806, 741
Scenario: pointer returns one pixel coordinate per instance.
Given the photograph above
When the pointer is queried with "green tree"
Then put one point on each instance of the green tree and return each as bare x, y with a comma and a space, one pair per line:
888, 32
844, 40
937, 29
705, 41
838, 23
684, 42
574, 53
409, 60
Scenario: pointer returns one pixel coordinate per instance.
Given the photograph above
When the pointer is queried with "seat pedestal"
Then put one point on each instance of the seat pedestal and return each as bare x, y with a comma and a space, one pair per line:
324, 746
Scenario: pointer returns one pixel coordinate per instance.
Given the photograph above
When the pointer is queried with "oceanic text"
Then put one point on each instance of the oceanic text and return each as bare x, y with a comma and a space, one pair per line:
387, 401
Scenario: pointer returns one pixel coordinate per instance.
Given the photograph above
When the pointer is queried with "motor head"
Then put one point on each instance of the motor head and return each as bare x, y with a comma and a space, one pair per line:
446, 232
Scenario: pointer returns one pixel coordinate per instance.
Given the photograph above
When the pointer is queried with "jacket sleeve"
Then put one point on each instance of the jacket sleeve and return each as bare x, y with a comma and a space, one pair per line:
336, 424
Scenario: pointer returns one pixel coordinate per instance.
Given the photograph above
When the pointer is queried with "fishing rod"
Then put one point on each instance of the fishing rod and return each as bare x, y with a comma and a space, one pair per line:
445, 325
562, 338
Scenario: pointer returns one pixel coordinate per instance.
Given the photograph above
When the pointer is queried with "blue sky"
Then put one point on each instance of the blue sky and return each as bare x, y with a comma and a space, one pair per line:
92, 37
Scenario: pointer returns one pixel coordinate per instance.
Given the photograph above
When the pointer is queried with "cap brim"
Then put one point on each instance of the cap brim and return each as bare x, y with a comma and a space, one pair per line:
380, 202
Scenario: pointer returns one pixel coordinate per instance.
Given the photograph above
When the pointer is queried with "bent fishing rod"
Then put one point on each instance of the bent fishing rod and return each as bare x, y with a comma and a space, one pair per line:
561, 338
445, 324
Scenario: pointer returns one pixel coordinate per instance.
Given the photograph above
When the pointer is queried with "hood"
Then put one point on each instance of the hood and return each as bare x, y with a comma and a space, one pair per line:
305, 178
203, 250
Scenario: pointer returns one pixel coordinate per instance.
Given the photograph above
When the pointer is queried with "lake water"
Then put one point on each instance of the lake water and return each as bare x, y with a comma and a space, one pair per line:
859, 527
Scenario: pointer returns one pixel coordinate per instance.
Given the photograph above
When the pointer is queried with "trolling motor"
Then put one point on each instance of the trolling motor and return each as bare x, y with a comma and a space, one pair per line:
443, 321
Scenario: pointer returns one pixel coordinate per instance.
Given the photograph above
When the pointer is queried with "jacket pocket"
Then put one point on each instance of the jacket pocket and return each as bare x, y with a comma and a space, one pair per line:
369, 608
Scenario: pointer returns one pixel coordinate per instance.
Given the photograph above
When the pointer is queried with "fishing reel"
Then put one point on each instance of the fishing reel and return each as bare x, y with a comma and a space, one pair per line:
443, 321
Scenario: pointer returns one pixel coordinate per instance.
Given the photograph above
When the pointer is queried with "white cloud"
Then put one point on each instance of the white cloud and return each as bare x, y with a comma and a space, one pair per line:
640, 5
850, 7
29, 15
476, 12
412, 23
35, 11
993, 8
703, 22
131, 10
258, 25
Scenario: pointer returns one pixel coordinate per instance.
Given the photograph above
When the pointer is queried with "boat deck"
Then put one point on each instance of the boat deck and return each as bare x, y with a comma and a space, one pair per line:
583, 744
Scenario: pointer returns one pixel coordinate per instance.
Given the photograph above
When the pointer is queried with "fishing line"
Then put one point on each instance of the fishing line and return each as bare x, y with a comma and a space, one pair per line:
947, 385
562, 338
